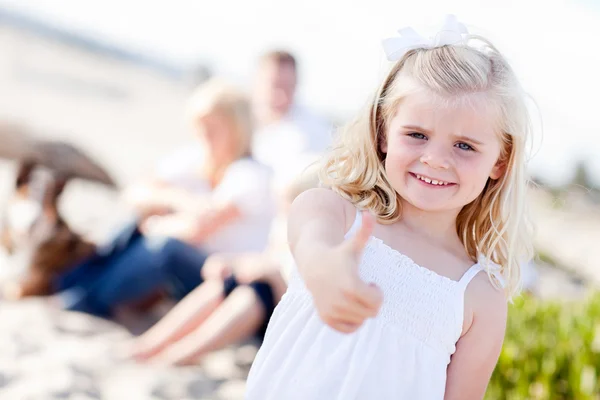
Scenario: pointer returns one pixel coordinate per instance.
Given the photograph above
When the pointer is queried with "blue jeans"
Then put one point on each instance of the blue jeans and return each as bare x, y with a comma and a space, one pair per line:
132, 267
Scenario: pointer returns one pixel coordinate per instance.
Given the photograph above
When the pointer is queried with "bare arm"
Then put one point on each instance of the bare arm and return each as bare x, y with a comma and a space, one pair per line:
157, 197
478, 349
212, 219
195, 226
329, 264
317, 222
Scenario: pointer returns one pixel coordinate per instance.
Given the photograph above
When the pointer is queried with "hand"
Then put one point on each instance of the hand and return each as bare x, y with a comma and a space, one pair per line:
157, 198
247, 268
341, 298
254, 267
216, 267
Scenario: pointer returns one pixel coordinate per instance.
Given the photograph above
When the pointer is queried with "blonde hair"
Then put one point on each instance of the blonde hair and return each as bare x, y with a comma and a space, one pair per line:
495, 225
219, 97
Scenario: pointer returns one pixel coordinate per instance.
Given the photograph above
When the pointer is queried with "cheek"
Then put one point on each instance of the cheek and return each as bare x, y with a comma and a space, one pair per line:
399, 152
475, 172
401, 158
397, 162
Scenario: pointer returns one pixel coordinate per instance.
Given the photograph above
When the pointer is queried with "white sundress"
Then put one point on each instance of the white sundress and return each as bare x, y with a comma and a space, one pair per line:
403, 353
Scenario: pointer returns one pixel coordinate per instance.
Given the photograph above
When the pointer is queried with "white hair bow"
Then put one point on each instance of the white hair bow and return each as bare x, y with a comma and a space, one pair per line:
451, 33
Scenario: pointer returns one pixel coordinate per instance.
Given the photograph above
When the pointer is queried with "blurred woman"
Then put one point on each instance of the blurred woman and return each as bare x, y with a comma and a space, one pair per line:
209, 198
234, 302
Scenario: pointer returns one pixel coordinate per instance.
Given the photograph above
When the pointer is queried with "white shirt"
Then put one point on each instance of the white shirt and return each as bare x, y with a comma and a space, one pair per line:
290, 145
246, 183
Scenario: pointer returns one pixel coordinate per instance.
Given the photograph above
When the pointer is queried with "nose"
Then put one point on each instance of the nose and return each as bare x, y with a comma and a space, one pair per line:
436, 157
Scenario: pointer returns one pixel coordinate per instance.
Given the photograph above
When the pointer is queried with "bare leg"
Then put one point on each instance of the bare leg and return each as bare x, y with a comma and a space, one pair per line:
237, 318
186, 316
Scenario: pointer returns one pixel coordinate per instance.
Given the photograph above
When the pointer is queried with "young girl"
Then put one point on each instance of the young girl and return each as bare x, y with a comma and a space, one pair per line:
389, 301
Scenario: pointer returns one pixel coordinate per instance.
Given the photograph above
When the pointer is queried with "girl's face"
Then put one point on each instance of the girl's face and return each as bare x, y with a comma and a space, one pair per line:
218, 137
439, 158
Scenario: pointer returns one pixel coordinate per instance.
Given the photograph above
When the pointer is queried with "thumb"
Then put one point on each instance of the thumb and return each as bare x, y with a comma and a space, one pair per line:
362, 235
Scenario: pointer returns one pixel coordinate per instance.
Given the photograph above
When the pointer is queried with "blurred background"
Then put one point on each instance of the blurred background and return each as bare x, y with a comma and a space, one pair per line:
113, 79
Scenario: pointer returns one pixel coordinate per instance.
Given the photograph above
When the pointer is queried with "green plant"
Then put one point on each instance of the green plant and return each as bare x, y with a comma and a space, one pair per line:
551, 351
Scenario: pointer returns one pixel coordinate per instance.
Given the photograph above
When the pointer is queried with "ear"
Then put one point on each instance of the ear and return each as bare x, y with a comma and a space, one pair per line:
383, 146
498, 170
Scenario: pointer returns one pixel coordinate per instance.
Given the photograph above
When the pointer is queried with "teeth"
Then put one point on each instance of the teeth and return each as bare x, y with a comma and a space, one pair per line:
432, 181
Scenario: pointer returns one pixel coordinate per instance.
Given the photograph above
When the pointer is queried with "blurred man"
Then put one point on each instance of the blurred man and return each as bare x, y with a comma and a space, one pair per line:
288, 137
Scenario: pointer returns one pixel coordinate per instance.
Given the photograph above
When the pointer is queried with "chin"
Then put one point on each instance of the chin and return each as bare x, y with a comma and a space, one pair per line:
432, 208
428, 204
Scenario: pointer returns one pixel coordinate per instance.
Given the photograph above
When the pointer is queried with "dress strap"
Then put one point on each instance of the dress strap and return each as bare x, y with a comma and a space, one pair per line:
493, 270
355, 225
469, 275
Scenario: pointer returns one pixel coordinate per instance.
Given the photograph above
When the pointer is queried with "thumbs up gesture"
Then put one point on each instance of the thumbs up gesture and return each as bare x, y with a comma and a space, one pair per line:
341, 298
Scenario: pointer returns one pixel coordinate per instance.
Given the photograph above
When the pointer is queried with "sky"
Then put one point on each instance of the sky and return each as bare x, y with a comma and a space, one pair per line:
550, 44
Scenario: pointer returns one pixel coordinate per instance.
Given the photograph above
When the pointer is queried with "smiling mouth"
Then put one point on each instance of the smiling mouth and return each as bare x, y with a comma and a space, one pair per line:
431, 182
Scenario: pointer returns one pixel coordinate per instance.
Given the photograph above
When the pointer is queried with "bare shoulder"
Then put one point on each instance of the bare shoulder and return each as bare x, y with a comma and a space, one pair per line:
485, 304
323, 201
321, 196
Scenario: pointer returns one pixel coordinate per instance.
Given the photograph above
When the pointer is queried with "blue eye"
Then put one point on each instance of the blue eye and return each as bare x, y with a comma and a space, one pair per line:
417, 135
464, 146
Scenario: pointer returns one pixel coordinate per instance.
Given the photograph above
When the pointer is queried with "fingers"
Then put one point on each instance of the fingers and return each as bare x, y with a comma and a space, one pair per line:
368, 295
345, 302
356, 305
220, 273
347, 321
344, 327
245, 277
340, 322
353, 314
360, 304
361, 237
216, 268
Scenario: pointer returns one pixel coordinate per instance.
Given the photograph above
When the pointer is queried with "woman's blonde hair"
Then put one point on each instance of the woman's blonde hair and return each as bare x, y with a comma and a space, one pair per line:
217, 96
493, 226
